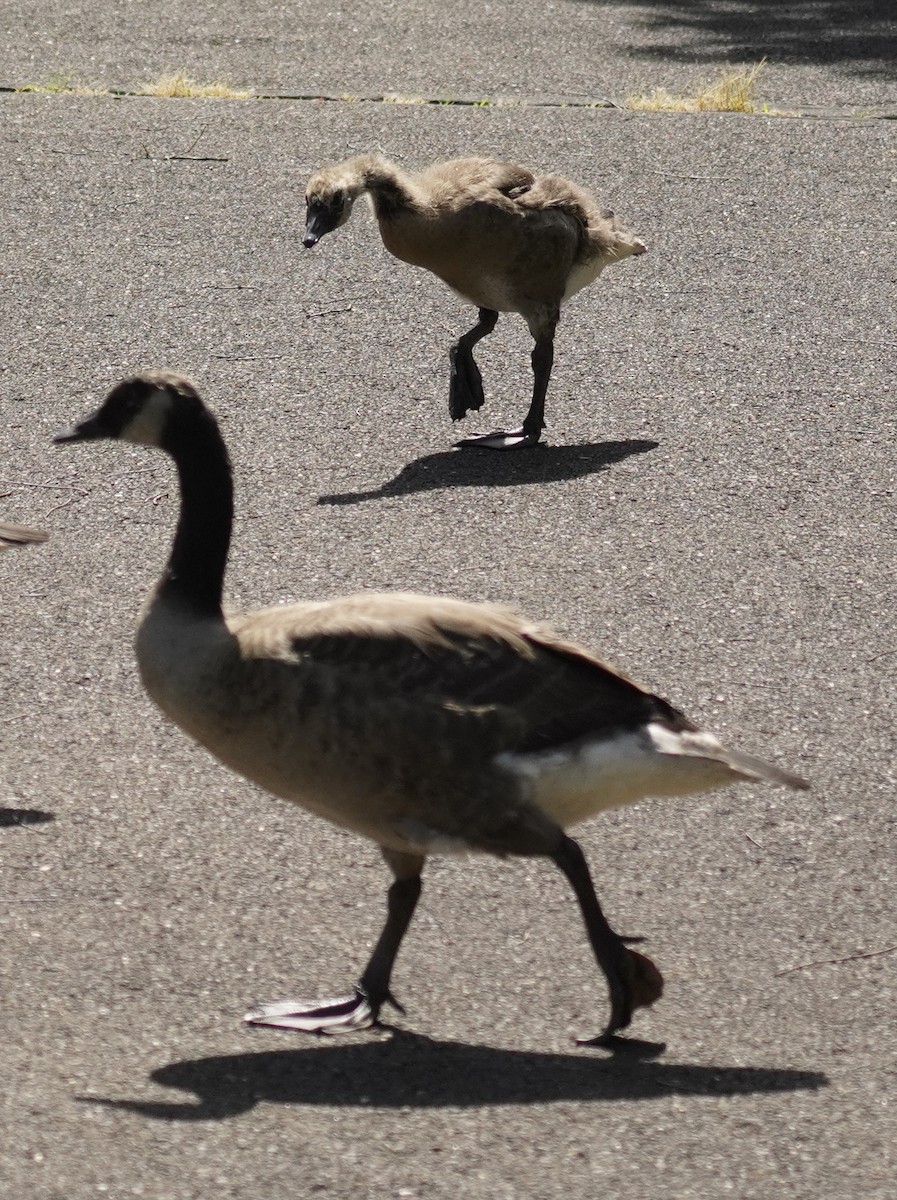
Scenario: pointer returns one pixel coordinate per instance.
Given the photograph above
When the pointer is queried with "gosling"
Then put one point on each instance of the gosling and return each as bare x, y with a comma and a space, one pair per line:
501, 237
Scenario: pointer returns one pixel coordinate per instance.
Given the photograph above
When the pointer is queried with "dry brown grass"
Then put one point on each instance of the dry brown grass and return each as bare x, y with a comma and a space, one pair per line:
179, 85
57, 84
173, 86
732, 92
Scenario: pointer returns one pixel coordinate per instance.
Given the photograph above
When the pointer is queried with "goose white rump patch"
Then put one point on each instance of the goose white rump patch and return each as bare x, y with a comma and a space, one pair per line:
574, 783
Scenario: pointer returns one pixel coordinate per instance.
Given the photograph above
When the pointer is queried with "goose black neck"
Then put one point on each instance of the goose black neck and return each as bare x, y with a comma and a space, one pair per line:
194, 575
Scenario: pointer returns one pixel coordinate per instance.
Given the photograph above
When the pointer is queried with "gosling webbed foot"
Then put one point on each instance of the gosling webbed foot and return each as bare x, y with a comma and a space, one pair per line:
465, 383
515, 439
344, 1014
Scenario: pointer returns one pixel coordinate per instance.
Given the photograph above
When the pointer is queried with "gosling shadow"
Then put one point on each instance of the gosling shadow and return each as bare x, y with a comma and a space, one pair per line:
482, 468
408, 1069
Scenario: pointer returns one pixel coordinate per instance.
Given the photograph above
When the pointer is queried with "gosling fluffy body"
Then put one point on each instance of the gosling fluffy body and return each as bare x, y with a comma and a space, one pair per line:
500, 236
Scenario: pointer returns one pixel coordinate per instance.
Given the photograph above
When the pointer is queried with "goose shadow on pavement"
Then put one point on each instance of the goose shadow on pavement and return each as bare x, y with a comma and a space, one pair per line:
399, 1069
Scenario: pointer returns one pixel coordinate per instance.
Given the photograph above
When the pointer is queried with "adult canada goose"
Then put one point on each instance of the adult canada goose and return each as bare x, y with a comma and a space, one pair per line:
428, 724
19, 535
501, 237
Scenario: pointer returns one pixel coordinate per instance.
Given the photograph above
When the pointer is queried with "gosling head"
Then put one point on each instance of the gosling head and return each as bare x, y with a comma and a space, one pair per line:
328, 204
139, 409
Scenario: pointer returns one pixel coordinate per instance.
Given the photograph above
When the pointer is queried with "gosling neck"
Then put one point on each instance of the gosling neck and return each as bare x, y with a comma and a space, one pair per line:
390, 190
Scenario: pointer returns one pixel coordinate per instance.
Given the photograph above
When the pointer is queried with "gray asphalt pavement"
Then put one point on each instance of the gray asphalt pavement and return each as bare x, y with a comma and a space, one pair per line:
714, 510
821, 53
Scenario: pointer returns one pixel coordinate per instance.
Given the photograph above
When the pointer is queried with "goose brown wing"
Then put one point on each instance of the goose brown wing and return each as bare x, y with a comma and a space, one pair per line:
538, 691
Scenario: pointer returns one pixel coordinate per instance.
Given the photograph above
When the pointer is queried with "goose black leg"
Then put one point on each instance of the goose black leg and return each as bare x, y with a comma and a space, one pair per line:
632, 979
362, 1008
465, 380
402, 900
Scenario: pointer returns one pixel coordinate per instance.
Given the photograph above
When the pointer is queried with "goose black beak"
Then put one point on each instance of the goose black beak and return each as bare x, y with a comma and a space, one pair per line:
86, 431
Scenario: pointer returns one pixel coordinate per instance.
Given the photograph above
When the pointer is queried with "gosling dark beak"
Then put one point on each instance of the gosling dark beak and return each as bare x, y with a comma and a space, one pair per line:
89, 430
318, 221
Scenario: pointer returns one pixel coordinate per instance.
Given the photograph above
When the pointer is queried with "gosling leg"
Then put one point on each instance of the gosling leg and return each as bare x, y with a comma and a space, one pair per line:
542, 359
465, 380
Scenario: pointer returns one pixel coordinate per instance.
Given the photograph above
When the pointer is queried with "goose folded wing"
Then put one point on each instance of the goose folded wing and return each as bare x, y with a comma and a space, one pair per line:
534, 691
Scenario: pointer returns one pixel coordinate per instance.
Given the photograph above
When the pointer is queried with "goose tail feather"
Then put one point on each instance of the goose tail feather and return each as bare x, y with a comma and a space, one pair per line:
696, 743
757, 769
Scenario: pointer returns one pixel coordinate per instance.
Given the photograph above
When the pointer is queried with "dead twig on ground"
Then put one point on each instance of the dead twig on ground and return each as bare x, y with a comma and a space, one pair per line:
346, 302
828, 962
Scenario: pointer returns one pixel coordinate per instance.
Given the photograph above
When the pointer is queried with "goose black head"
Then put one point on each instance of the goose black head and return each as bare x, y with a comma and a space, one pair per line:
139, 409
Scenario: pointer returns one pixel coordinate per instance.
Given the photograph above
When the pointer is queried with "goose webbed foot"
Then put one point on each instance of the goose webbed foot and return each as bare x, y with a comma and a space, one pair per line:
633, 980
345, 1014
638, 984
513, 439
465, 383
